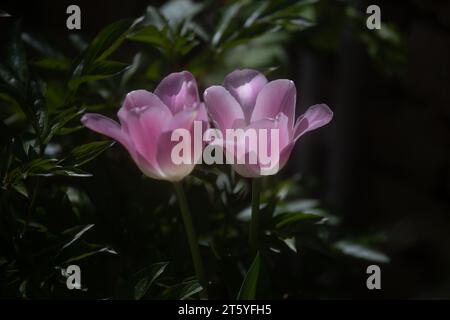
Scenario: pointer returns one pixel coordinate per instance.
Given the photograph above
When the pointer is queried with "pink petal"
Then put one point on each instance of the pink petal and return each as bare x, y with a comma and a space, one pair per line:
223, 108
315, 117
242, 147
140, 98
137, 99
275, 97
245, 85
183, 119
145, 125
110, 128
147, 168
107, 127
178, 91
202, 115
280, 123
171, 170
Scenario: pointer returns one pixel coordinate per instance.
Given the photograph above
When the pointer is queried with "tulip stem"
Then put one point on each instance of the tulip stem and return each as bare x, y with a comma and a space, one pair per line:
192, 237
254, 222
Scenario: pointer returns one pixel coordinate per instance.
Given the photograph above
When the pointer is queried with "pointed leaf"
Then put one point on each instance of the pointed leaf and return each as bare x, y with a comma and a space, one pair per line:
147, 277
360, 251
86, 152
250, 284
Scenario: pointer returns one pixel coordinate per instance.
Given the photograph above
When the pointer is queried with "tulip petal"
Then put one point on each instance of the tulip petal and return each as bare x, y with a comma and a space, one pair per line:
174, 171
145, 125
245, 85
182, 120
315, 117
137, 99
223, 108
110, 128
140, 98
178, 91
202, 115
268, 159
107, 127
275, 97
240, 148
280, 123
147, 168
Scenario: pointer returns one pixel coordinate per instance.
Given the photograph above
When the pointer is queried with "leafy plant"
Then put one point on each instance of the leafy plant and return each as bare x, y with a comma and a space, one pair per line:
67, 199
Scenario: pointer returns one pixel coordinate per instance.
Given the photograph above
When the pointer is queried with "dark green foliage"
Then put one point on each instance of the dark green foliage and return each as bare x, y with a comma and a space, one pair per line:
67, 198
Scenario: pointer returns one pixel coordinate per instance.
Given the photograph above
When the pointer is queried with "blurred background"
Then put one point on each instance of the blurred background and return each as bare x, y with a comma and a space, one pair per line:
381, 168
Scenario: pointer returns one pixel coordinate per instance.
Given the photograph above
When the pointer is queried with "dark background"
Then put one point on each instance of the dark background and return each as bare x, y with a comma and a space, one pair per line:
387, 152
383, 164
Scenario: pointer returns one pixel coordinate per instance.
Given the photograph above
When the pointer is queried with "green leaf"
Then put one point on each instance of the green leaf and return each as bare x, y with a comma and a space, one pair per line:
78, 42
52, 64
360, 251
180, 10
41, 45
291, 224
146, 277
97, 71
42, 167
23, 289
301, 10
183, 290
21, 188
153, 17
297, 206
34, 167
16, 82
151, 35
132, 70
90, 65
14, 54
90, 253
60, 121
70, 172
256, 13
230, 13
106, 41
65, 131
37, 107
79, 231
250, 283
86, 152
291, 218
38, 227
106, 68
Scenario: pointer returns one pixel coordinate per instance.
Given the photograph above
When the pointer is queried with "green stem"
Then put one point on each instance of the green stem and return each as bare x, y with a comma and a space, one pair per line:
254, 223
192, 237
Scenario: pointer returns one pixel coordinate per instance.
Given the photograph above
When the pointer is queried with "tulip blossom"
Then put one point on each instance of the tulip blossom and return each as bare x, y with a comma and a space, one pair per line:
248, 101
146, 123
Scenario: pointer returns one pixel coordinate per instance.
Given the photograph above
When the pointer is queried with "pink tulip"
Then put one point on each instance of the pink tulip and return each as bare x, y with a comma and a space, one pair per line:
247, 100
147, 121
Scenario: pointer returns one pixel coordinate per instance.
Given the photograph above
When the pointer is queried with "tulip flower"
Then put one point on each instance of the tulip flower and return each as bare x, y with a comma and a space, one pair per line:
147, 121
248, 101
